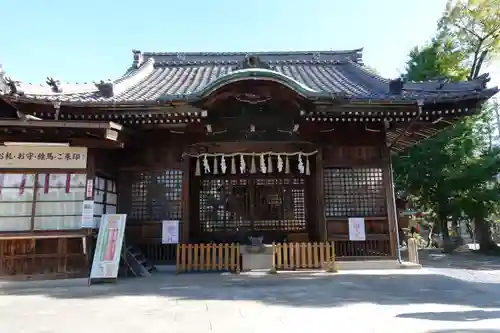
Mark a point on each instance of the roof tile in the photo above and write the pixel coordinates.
(180, 75)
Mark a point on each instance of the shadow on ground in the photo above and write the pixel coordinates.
(467, 316)
(435, 258)
(469, 330)
(295, 289)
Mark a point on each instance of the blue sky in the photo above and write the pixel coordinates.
(82, 41)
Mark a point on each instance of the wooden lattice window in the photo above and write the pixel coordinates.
(355, 192)
(105, 198)
(262, 204)
(156, 195)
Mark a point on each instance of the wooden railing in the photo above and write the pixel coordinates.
(159, 254)
(208, 257)
(293, 256)
(361, 250)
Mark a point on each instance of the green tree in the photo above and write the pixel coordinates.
(436, 60)
(452, 172)
(474, 27)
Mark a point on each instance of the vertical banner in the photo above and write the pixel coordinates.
(108, 248)
(170, 232)
(89, 189)
(357, 229)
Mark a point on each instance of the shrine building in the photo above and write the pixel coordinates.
(283, 145)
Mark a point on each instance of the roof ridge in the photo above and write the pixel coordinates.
(224, 53)
(230, 62)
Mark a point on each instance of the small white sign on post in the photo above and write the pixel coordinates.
(88, 214)
(357, 229)
(170, 232)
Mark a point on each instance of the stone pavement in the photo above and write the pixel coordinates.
(438, 299)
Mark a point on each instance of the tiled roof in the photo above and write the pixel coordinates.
(180, 76)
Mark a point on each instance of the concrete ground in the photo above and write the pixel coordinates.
(457, 293)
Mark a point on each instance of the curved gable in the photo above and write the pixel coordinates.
(256, 74)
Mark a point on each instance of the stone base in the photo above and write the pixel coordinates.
(374, 265)
(256, 260)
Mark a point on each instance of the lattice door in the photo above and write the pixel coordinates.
(254, 203)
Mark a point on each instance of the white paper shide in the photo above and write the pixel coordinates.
(357, 229)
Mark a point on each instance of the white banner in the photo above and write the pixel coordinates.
(43, 157)
(170, 232)
(357, 229)
(109, 246)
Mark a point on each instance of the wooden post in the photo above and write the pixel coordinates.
(320, 198)
(390, 200)
(186, 185)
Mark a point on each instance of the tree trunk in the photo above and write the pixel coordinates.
(483, 235)
(443, 221)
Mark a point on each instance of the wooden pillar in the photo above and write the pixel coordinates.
(320, 198)
(90, 181)
(390, 200)
(186, 185)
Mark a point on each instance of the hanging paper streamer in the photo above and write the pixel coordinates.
(242, 164)
(300, 164)
(206, 166)
(223, 166)
(216, 167)
(197, 171)
(252, 165)
(280, 164)
(263, 167)
(265, 162)
(233, 165)
(269, 164)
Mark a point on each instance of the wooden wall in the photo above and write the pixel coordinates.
(348, 146)
(365, 153)
(42, 258)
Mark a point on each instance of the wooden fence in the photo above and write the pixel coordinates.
(293, 256)
(208, 258)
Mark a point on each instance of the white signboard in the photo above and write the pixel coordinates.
(43, 157)
(170, 232)
(357, 229)
(109, 246)
(88, 214)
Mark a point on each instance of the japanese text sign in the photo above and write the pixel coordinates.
(43, 157)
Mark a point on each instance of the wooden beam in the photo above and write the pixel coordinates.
(96, 143)
(62, 124)
(45, 234)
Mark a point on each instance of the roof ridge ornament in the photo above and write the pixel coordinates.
(13, 86)
(252, 61)
(138, 58)
(54, 85)
(105, 88)
(396, 86)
